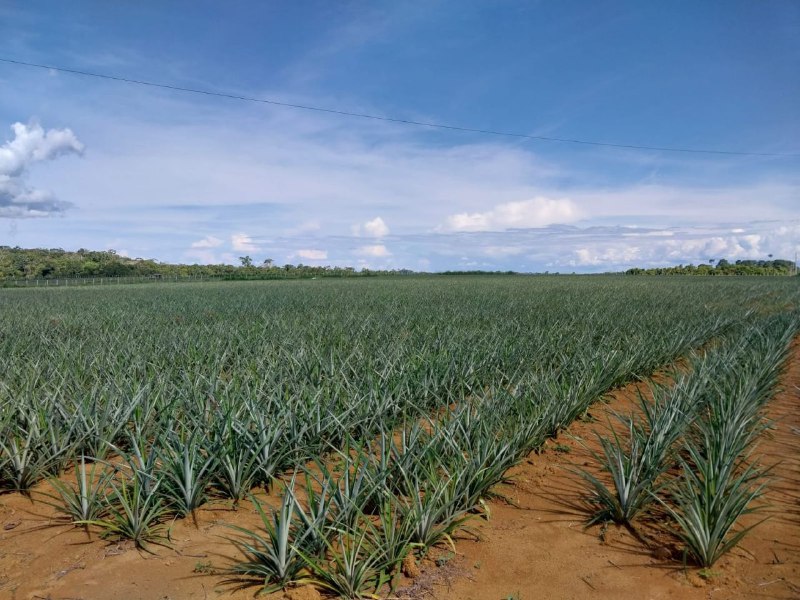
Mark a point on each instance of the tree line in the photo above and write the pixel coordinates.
(724, 267)
(55, 263)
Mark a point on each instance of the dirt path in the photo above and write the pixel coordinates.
(537, 548)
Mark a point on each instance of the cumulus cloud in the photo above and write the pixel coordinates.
(311, 254)
(524, 214)
(242, 242)
(208, 242)
(376, 228)
(376, 251)
(31, 144)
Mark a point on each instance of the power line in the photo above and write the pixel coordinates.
(345, 113)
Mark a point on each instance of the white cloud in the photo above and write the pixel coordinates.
(377, 251)
(694, 245)
(605, 256)
(311, 254)
(242, 242)
(376, 228)
(208, 242)
(524, 214)
(715, 247)
(31, 144)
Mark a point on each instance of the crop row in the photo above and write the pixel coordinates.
(688, 451)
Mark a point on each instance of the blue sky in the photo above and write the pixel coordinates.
(182, 177)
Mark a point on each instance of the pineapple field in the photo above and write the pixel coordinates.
(356, 438)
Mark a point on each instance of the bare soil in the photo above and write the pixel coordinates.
(533, 545)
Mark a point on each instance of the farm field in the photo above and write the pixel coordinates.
(373, 423)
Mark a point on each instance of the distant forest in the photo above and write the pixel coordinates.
(55, 263)
(724, 267)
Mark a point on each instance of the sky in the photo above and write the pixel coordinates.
(181, 177)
